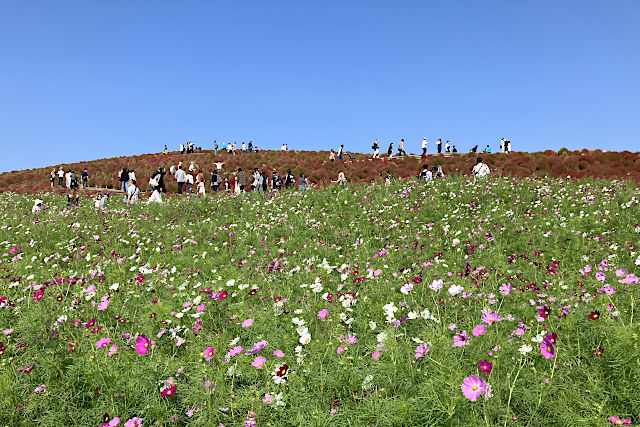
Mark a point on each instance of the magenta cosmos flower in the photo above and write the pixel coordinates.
(479, 330)
(142, 344)
(103, 342)
(322, 314)
(473, 387)
(209, 353)
(134, 422)
(485, 367)
(234, 351)
(547, 349)
(169, 391)
(258, 362)
(461, 339)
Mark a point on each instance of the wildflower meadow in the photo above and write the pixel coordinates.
(511, 301)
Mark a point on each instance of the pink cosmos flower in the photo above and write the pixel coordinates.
(421, 350)
(491, 318)
(479, 330)
(461, 339)
(376, 355)
(142, 344)
(201, 307)
(235, 350)
(278, 353)
(258, 362)
(40, 389)
(134, 422)
(618, 421)
(340, 350)
(547, 349)
(112, 350)
(246, 323)
(114, 422)
(209, 353)
(473, 387)
(322, 314)
(268, 399)
(103, 342)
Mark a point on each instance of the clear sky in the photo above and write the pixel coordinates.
(81, 80)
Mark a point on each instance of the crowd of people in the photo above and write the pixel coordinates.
(505, 147)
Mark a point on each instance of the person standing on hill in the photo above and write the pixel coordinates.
(67, 178)
(401, 151)
(424, 146)
(276, 181)
(244, 148)
(250, 147)
(159, 178)
(439, 145)
(340, 152)
(503, 145)
(166, 150)
(53, 178)
(60, 176)
(85, 178)
(215, 147)
(180, 178)
(376, 149)
(447, 147)
(214, 181)
(73, 180)
(508, 142)
(124, 179)
(256, 185)
(390, 150)
(181, 148)
(332, 156)
(242, 179)
(265, 182)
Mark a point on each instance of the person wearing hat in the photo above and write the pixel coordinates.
(424, 146)
(37, 206)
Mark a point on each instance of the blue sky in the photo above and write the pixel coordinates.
(85, 80)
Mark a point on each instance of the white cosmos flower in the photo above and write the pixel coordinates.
(524, 349)
(455, 290)
(305, 338)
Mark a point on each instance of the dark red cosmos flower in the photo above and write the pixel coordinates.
(169, 391)
(485, 367)
(544, 312)
(223, 295)
(253, 291)
(2, 348)
(594, 315)
(276, 299)
(26, 368)
(553, 338)
(598, 351)
(105, 417)
(282, 370)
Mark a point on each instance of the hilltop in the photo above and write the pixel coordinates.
(103, 173)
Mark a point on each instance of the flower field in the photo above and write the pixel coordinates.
(512, 301)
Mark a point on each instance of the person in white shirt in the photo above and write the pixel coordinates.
(67, 177)
(426, 174)
(132, 193)
(156, 197)
(180, 178)
(244, 148)
(181, 148)
(447, 147)
(60, 176)
(480, 170)
(503, 145)
(172, 170)
(37, 206)
(283, 147)
(192, 167)
(219, 166)
(508, 145)
(424, 146)
(189, 183)
(132, 175)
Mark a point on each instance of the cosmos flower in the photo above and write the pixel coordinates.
(322, 314)
(619, 421)
(548, 350)
(461, 339)
(112, 350)
(479, 330)
(209, 353)
(142, 344)
(473, 387)
(103, 342)
(595, 315)
(258, 362)
(485, 367)
(169, 391)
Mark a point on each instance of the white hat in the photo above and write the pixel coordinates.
(37, 202)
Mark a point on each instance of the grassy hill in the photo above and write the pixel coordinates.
(316, 166)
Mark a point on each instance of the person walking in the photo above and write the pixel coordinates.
(401, 151)
(302, 183)
(53, 178)
(67, 178)
(508, 143)
(180, 178)
(390, 150)
(289, 180)
(166, 150)
(124, 179)
(242, 179)
(256, 185)
(244, 148)
(215, 181)
(250, 147)
(160, 180)
(132, 175)
(424, 146)
(276, 181)
(439, 145)
(332, 156)
(181, 148)
(376, 149)
(85, 178)
(340, 152)
(265, 182)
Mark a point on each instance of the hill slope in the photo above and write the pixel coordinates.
(315, 164)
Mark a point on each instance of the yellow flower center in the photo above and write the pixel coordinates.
(549, 349)
(146, 344)
(475, 387)
(169, 392)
